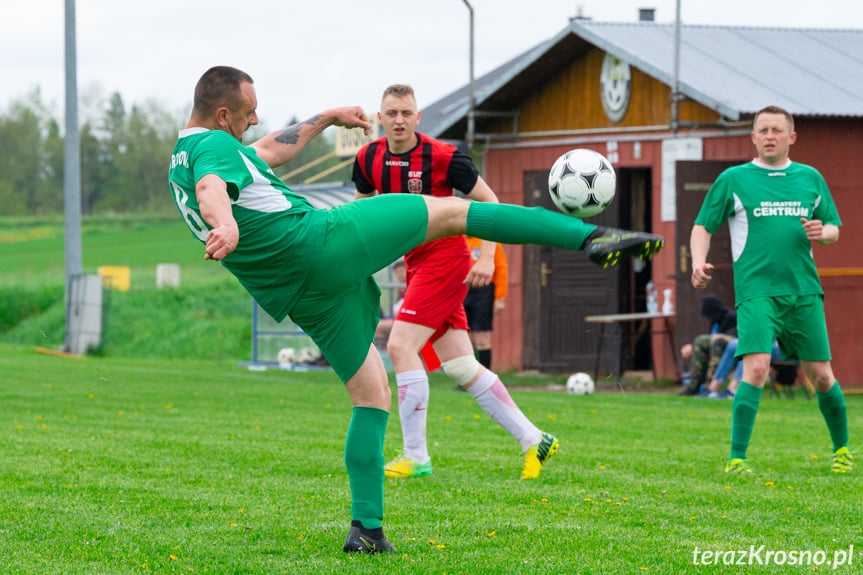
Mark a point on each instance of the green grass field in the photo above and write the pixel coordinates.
(161, 455)
(32, 251)
(164, 466)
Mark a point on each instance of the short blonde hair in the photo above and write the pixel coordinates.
(399, 91)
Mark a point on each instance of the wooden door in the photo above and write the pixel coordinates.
(561, 287)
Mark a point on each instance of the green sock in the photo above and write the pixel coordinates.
(509, 224)
(364, 458)
(743, 412)
(832, 406)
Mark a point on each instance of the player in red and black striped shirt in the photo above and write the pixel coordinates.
(439, 275)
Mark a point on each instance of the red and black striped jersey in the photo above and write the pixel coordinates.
(431, 167)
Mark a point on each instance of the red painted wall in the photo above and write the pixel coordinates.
(831, 145)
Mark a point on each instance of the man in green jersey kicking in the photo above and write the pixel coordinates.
(317, 265)
(776, 208)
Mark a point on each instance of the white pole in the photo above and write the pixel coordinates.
(71, 168)
(471, 100)
(675, 89)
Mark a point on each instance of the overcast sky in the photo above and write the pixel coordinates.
(308, 55)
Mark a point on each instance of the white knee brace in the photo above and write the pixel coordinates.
(461, 369)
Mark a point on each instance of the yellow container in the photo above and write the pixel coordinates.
(115, 277)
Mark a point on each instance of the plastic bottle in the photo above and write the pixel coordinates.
(650, 290)
(667, 306)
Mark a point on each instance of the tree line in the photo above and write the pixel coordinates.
(125, 152)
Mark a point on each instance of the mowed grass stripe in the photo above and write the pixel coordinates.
(138, 466)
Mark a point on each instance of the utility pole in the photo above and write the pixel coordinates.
(471, 136)
(675, 88)
(71, 168)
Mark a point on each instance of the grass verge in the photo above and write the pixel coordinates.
(143, 466)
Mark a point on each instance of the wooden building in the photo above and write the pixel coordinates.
(611, 87)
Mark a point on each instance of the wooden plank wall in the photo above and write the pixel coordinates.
(571, 101)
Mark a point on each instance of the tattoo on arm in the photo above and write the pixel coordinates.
(291, 134)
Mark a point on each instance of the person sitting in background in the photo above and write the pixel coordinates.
(707, 349)
(728, 363)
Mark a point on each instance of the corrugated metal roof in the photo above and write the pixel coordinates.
(739, 70)
(733, 70)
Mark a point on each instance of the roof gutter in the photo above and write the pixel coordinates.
(517, 136)
(580, 137)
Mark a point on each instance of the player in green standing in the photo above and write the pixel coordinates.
(776, 208)
(317, 265)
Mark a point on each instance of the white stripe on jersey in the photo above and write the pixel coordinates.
(739, 228)
(261, 195)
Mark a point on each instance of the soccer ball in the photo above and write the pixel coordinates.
(581, 183)
(287, 357)
(580, 384)
(309, 355)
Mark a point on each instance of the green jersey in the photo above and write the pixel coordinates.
(280, 232)
(771, 254)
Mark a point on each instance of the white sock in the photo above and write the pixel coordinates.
(492, 396)
(413, 387)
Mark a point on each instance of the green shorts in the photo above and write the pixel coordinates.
(340, 306)
(797, 322)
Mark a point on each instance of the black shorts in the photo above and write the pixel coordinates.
(479, 307)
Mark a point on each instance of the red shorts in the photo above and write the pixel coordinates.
(434, 295)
